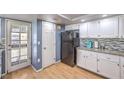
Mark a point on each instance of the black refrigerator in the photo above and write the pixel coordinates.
(69, 42)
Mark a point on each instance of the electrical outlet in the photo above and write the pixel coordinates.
(38, 42)
(38, 60)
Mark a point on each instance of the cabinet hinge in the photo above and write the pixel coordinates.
(97, 60)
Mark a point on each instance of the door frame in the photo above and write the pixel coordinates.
(54, 26)
(6, 43)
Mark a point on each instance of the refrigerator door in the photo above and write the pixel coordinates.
(68, 48)
(68, 54)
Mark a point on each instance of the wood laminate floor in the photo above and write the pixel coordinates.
(56, 71)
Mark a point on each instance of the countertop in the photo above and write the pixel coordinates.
(119, 53)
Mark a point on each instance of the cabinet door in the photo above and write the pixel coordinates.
(72, 27)
(91, 63)
(80, 59)
(121, 26)
(83, 30)
(68, 27)
(109, 69)
(0, 65)
(75, 26)
(93, 29)
(122, 67)
(109, 27)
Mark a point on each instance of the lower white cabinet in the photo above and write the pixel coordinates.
(109, 65)
(91, 62)
(122, 67)
(103, 64)
(87, 60)
(108, 68)
(0, 67)
(81, 59)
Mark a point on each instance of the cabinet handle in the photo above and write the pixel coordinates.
(97, 60)
(98, 70)
(108, 58)
(118, 64)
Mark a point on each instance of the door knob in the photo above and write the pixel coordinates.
(44, 48)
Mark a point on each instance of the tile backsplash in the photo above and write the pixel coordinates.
(109, 43)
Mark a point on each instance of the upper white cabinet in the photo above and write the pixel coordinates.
(72, 27)
(93, 29)
(121, 26)
(104, 28)
(83, 30)
(109, 28)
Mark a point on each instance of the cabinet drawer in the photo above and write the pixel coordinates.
(88, 53)
(82, 51)
(109, 57)
(93, 54)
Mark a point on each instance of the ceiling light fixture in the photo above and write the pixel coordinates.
(63, 16)
(82, 20)
(104, 15)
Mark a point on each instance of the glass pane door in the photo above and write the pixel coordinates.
(18, 44)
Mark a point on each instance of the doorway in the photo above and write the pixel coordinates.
(18, 44)
(48, 43)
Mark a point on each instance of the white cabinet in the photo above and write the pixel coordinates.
(87, 60)
(109, 28)
(122, 67)
(83, 30)
(91, 61)
(68, 27)
(108, 66)
(75, 26)
(81, 58)
(0, 65)
(72, 27)
(93, 29)
(105, 28)
(121, 26)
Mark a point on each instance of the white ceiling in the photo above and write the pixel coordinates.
(56, 18)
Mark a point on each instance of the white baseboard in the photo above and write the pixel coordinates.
(35, 69)
(3, 74)
(42, 67)
(58, 61)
